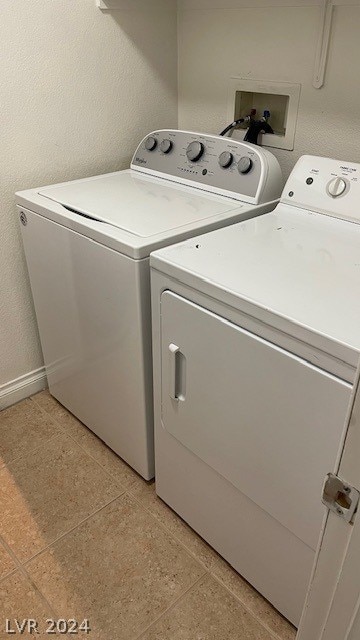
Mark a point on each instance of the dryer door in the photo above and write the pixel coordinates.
(266, 420)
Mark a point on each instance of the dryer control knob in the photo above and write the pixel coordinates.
(150, 143)
(244, 165)
(195, 151)
(225, 159)
(166, 146)
(336, 187)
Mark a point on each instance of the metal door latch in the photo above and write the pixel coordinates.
(340, 497)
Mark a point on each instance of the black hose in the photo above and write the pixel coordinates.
(256, 126)
(232, 126)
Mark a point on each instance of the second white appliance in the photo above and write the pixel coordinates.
(256, 342)
(87, 246)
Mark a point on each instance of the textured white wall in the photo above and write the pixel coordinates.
(268, 42)
(79, 88)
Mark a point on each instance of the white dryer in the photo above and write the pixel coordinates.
(87, 246)
(256, 339)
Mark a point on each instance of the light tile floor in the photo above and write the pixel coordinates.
(83, 536)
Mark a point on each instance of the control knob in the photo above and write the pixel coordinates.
(166, 146)
(244, 165)
(336, 187)
(225, 159)
(150, 143)
(195, 151)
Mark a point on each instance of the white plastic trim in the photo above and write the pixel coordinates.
(327, 11)
(323, 43)
(22, 387)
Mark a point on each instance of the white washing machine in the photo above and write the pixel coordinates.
(256, 339)
(87, 246)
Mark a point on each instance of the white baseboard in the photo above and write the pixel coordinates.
(23, 387)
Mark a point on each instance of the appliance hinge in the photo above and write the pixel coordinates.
(340, 497)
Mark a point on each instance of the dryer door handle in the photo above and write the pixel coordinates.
(177, 373)
(173, 352)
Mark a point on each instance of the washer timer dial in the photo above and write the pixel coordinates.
(336, 187)
(195, 151)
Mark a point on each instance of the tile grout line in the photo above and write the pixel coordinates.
(122, 490)
(259, 620)
(127, 490)
(21, 569)
(68, 435)
(22, 566)
(63, 535)
(207, 569)
(46, 440)
(173, 604)
(8, 575)
(168, 531)
(183, 595)
(7, 465)
(12, 556)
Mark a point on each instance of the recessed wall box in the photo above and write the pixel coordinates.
(280, 98)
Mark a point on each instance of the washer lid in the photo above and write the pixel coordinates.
(137, 204)
(290, 268)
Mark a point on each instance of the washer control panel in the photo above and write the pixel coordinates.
(229, 167)
(325, 185)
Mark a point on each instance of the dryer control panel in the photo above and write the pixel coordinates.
(326, 186)
(229, 167)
